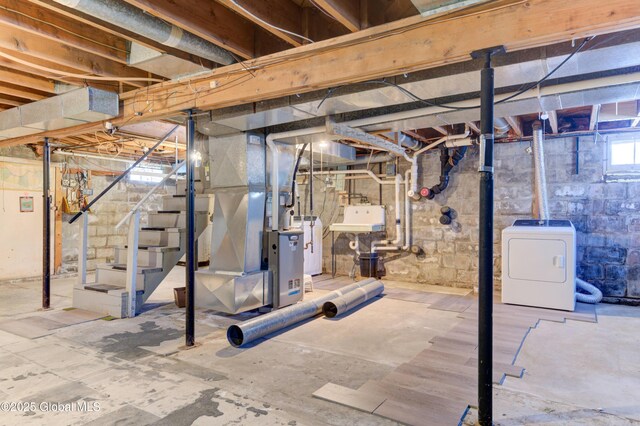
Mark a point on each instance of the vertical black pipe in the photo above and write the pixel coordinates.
(380, 185)
(577, 155)
(485, 256)
(46, 226)
(190, 238)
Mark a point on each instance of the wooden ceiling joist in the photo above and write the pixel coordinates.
(374, 53)
(208, 20)
(269, 14)
(39, 48)
(26, 80)
(28, 17)
(20, 92)
(347, 12)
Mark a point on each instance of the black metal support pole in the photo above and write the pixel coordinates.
(46, 226)
(485, 256)
(190, 325)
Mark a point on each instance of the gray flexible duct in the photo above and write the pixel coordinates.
(594, 296)
(126, 16)
(248, 331)
(347, 302)
(539, 171)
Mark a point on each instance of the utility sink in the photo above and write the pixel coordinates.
(361, 219)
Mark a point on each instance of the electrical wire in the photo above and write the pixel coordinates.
(78, 76)
(269, 24)
(416, 98)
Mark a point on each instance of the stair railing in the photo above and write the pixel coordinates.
(84, 225)
(133, 217)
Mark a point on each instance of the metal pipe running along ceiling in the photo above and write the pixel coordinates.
(126, 16)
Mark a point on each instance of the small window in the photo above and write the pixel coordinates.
(624, 158)
(146, 174)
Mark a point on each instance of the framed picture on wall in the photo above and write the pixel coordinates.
(26, 204)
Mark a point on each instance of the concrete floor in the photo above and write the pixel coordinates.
(136, 372)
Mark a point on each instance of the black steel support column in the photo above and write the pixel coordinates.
(485, 257)
(46, 226)
(190, 249)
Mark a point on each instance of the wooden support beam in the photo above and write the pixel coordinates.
(19, 41)
(209, 20)
(26, 80)
(473, 126)
(6, 100)
(283, 14)
(441, 130)
(514, 122)
(347, 12)
(114, 30)
(20, 92)
(553, 121)
(595, 112)
(59, 28)
(374, 53)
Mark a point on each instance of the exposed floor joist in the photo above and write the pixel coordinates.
(378, 52)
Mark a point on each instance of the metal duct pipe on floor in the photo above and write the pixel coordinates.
(540, 180)
(352, 299)
(248, 331)
(126, 16)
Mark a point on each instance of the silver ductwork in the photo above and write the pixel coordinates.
(126, 16)
(234, 281)
(501, 126)
(346, 302)
(293, 108)
(540, 179)
(251, 330)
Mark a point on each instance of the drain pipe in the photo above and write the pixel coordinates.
(248, 331)
(124, 15)
(386, 245)
(540, 179)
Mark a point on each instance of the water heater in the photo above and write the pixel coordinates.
(539, 264)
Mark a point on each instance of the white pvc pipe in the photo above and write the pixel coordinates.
(395, 244)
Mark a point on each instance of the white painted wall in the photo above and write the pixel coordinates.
(21, 232)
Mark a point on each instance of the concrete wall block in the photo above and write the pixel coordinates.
(633, 257)
(612, 288)
(445, 247)
(606, 255)
(616, 207)
(589, 272)
(605, 224)
(568, 190)
(615, 273)
(98, 241)
(116, 240)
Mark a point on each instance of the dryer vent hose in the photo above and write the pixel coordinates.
(594, 296)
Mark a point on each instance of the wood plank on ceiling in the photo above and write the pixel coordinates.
(206, 19)
(25, 80)
(53, 26)
(20, 41)
(377, 52)
(21, 92)
(347, 12)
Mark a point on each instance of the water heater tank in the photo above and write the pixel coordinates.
(539, 264)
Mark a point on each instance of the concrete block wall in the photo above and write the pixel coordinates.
(104, 216)
(606, 216)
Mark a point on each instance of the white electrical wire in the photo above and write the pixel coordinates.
(268, 24)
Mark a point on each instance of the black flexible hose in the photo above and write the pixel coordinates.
(295, 172)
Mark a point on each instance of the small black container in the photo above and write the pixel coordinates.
(369, 265)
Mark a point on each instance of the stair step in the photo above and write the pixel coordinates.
(102, 288)
(175, 219)
(157, 228)
(160, 249)
(141, 268)
(203, 203)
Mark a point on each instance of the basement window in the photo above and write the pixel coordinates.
(146, 174)
(623, 159)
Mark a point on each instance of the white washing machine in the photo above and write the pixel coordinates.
(539, 264)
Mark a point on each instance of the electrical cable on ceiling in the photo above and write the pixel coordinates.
(78, 76)
(416, 98)
(268, 24)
